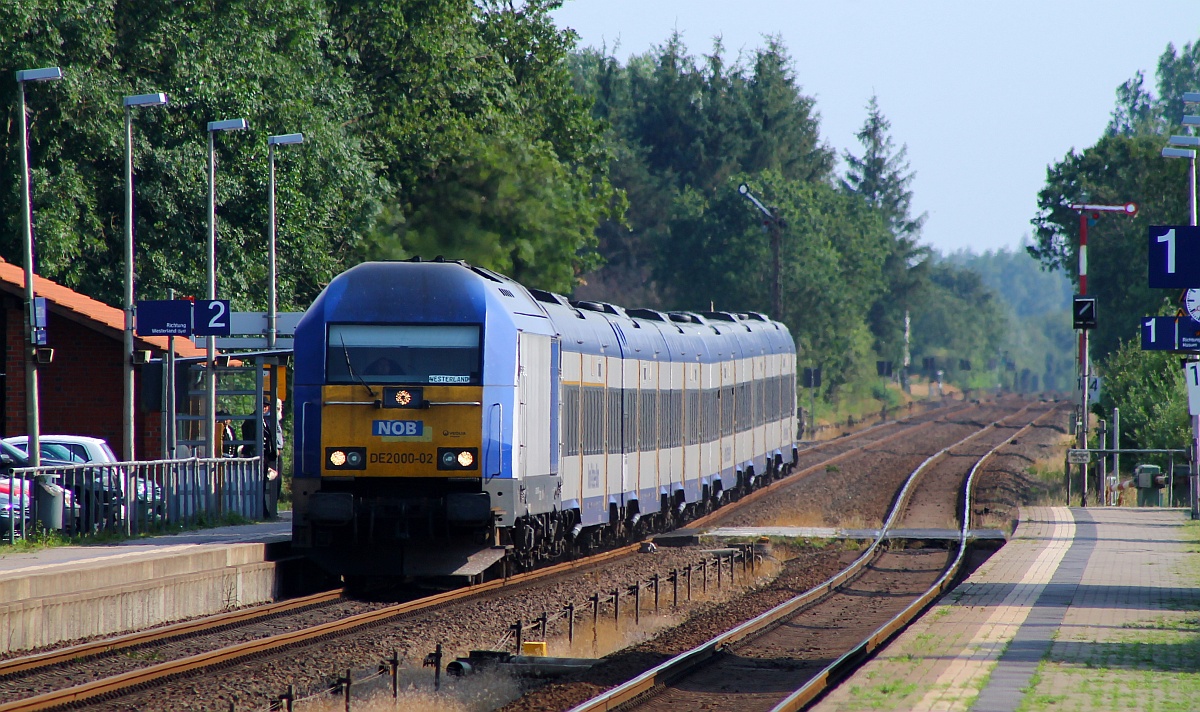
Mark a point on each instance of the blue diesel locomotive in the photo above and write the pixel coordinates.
(450, 422)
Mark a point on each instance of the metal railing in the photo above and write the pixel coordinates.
(129, 498)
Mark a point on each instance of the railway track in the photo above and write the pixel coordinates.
(70, 664)
(760, 664)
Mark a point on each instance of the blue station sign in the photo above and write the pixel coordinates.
(1174, 257)
(1170, 333)
(164, 317)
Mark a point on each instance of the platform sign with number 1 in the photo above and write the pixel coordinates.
(211, 317)
(1192, 376)
(1174, 257)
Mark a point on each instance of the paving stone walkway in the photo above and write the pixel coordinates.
(1084, 609)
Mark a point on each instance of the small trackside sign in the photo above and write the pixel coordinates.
(1079, 457)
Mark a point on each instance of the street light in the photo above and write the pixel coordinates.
(272, 313)
(130, 102)
(210, 429)
(772, 224)
(32, 415)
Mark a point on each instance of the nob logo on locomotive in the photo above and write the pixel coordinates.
(398, 428)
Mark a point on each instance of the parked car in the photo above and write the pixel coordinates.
(87, 449)
(14, 515)
(11, 487)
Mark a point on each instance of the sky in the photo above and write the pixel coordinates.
(985, 94)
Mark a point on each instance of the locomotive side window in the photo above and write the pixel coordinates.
(403, 354)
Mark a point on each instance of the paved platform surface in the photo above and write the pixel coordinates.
(261, 532)
(1084, 609)
(68, 593)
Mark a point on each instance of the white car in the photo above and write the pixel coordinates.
(80, 447)
(86, 449)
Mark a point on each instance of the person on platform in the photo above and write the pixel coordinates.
(272, 445)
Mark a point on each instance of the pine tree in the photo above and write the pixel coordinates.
(882, 178)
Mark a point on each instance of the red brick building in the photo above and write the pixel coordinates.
(80, 392)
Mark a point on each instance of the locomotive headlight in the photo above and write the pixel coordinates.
(458, 458)
(345, 458)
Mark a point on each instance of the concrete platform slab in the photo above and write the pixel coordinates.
(1084, 609)
(67, 593)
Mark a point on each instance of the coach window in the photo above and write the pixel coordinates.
(614, 421)
(570, 421)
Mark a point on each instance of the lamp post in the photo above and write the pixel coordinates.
(159, 99)
(1190, 154)
(32, 415)
(210, 419)
(772, 224)
(272, 312)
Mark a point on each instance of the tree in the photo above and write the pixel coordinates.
(263, 61)
(493, 156)
(682, 125)
(882, 178)
(832, 249)
(1148, 387)
(1118, 169)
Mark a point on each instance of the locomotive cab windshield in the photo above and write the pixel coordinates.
(403, 354)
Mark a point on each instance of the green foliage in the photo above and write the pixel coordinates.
(1118, 169)
(882, 178)
(396, 100)
(510, 206)
(958, 317)
(682, 127)
(262, 61)
(1148, 387)
(832, 248)
(1037, 308)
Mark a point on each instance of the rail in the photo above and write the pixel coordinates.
(129, 498)
(170, 669)
(676, 667)
(848, 661)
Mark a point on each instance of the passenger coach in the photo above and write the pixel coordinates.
(448, 420)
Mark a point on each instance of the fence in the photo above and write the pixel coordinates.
(609, 607)
(128, 497)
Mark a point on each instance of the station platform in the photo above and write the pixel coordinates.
(1083, 609)
(66, 593)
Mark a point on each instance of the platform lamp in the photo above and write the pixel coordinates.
(159, 99)
(210, 410)
(272, 311)
(32, 414)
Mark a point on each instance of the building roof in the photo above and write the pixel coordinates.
(83, 309)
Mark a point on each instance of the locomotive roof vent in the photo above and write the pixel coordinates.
(549, 297)
(684, 317)
(602, 307)
(719, 316)
(487, 274)
(648, 314)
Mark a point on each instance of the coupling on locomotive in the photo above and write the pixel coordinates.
(451, 423)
